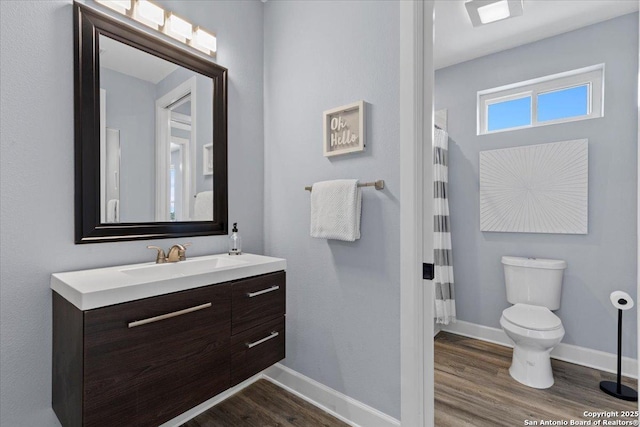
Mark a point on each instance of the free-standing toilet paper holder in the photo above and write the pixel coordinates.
(622, 301)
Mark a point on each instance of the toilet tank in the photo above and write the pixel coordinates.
(534, 281)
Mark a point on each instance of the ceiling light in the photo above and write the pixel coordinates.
(121, 6)
(487, 11)
(494, 12)
(203, 40)
(178, 28)
(149, 14)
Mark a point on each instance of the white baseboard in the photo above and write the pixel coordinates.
(193, 412)
(436, 328)
(569, 353)
(343, 407)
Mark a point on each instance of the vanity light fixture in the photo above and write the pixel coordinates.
(204, 41)
(484, 12)
(148, 14)
(178, 28)
(166, 22)
(120, 6)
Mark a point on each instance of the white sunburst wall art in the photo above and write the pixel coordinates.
(535, 189)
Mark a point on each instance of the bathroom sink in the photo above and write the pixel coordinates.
(189, 267)
(101, 287)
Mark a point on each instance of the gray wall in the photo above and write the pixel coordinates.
(37, 187)
(599, 262)
(131, 110)
(343, 299)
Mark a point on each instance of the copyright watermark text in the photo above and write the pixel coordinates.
(592, 418)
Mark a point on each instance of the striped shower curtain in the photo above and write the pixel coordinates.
(445, 309)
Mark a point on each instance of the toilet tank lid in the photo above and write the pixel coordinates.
(550, 264)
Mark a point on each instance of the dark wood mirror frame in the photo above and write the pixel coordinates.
(88, 25)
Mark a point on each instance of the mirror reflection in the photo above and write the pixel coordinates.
(156, 131)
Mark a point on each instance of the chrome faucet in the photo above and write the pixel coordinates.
(176, 253)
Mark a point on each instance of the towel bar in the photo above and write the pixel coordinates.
(379, 185)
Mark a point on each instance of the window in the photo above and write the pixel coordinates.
(560, 98)
(563, 103)
(509, 114)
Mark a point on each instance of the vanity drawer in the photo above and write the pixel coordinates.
(135, 353)
(256, 349)
(257, 300)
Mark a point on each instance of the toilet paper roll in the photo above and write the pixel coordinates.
(621, 300)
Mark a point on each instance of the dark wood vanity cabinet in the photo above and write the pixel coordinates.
(257, 325)
(144, 362)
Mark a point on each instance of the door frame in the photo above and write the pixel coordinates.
(416, 247)
(638, 213)
(163, 156)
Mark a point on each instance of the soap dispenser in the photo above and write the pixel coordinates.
(235, 241)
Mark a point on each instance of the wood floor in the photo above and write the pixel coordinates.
(264, 404)
(473, 388)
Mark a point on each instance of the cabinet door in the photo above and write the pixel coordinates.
(257, 300)
(150, 360)
(257, 349)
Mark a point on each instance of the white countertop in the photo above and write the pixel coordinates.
(100, 287)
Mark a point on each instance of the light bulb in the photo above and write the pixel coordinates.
(149, 14)
(203, 39)
(179, 28)
(120, 6)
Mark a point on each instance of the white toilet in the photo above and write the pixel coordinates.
(534, 286)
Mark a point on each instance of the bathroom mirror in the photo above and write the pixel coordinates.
(151, 141)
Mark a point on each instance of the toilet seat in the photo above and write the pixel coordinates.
(532, 317)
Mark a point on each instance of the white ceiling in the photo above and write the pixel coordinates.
(133, 62)
(456, 40)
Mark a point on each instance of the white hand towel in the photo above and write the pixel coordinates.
(335, 210)
(203, 206)
(113, 210)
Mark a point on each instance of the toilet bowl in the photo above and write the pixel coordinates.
(535, 331)
(534, 288)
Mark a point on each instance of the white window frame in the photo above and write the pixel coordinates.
(592, 76)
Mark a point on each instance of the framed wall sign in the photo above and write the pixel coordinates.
(344, 130)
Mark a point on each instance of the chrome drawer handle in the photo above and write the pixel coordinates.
(169, 315)
(255, 343)
(264, 291)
